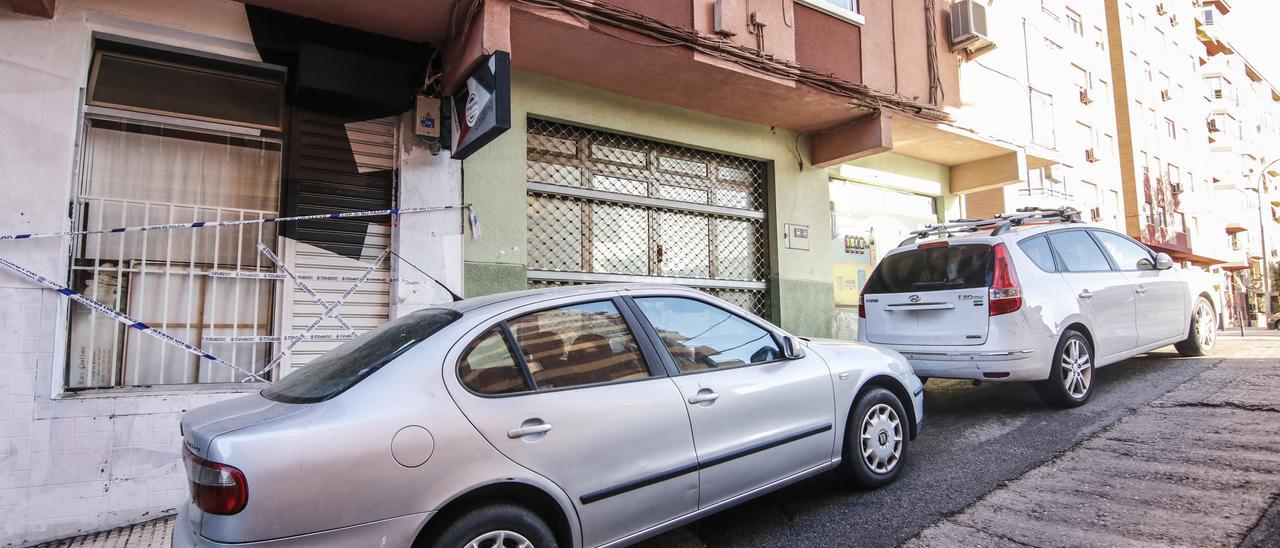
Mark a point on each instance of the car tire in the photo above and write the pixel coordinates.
(1203, 332)
(1070, 382)
(496, 525)
(1276, 325)
(876, 440)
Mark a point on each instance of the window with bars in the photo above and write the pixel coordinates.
(604, 207)
(160, 147)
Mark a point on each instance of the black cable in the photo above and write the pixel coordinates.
(452, 295)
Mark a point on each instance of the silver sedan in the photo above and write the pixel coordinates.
(582, 416)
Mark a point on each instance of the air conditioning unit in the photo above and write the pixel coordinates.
(1160, 9)
(1213, 125)
(1090, 156)
(1176, 188)
(1096, 213)
(969, 28)
(1165, 95)
(1084, 96)
(1173, 20)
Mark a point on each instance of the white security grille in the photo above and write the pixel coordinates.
(604, 207)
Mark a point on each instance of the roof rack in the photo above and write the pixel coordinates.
(1002, 222)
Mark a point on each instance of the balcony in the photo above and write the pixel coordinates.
(1166, 239)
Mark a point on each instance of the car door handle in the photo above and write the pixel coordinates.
(530, 430)
(1086, 294)
(1140, 290)
(706, 395)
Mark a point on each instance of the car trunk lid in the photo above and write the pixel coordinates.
(935, 294)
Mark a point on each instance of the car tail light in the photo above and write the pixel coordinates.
(862, 302)
(1005, 295)
(216, 488)
(939, 243)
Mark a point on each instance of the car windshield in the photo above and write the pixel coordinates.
(346, 365)
(933, 269)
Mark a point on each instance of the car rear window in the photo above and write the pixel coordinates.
(347, 365)
(964, 266)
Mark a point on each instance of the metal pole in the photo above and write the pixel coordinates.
(1262, 233)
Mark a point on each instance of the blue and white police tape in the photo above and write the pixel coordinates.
(242, 275)
(305, 287)
(126, 319)
(472, 218)
(277, 338)
(328, 311)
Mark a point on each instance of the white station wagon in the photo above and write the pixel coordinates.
(581, 416)
(1033, 296)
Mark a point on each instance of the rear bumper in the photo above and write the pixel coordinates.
(388, 532)
(986, 365)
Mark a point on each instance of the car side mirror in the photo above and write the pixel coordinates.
(791, 348)
(1163, 261)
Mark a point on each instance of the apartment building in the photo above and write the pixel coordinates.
(1166, 188)
(644, 141)
(1244, 150)
(1049, 85)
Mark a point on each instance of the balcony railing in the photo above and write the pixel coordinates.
(1166, 238)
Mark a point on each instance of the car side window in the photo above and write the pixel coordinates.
(1125, 253)
(1037, 249)
(700, 336)
(489, 367)
(588, 343)
(1078, 251)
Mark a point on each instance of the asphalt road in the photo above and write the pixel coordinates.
(975, 438)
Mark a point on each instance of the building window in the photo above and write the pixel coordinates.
(844, 9)
(1208, 16)
(1108, 144)
(1101, 41)
(1171, 129)
(1075, 22)
(151, 157)
(1042, 123)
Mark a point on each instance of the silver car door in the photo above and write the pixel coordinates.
(568, 392)
(1105, 296)
(756, 417)
(1160, 295)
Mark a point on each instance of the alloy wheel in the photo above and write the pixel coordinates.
(881, 438)
(1077, 369)
(500, 539)
(1206, 325)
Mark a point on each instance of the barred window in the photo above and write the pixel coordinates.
(604, 207)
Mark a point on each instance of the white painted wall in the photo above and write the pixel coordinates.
(431, 241)
(70, 464)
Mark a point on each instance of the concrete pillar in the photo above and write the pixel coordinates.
(430, 241)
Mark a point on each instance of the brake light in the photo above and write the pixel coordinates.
(862, 302)
(939, 243)
(216, 488)
(1005, 295)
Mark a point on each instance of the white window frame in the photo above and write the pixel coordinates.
(852, 16)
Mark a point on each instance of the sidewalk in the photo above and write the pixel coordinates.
(1198, 467)
(148, 534)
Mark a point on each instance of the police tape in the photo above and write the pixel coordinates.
(471, 217)
(278, 338)
(125, 319)
(241, 275)
(303, 285)
(328, 311)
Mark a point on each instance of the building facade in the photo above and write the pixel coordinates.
(1244, 146)
(648, 141)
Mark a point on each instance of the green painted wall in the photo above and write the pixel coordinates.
(494, 182)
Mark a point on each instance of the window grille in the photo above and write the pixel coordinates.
(604, 207)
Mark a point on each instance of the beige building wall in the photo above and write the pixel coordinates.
(1155, 65)
(1047, 87)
